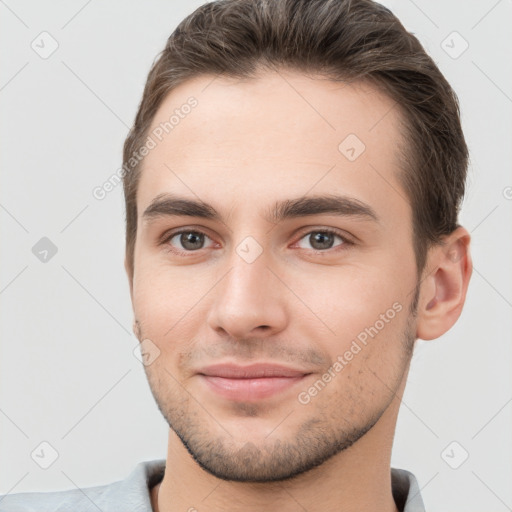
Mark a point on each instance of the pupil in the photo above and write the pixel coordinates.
(321, 237)
(188, 239)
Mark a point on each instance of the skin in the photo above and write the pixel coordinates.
(246, 145)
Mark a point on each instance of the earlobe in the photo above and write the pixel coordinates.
(443, 289)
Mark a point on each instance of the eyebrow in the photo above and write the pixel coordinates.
(170, 205)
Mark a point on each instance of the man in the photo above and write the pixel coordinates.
(292, 183)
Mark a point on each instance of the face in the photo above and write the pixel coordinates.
(277, 323)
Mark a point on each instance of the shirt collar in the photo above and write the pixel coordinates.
(405, 488)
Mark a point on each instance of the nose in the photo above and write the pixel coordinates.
(249, 302)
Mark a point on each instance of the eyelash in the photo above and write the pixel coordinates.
(169, 236)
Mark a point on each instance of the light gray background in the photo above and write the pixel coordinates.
(68, 374)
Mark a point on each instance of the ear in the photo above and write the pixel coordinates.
(135, 327)
(130, 277)
(444, 285)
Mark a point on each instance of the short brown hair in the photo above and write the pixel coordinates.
(344, 40)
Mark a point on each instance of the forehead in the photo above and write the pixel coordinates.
(231, 142)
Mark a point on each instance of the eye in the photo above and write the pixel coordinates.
(188, 241)
(323, 239)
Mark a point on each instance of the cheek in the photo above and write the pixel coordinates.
(346, 300)
(165, 300)
(367, 359)
(366, 317)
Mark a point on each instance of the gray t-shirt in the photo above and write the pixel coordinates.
(133, 494)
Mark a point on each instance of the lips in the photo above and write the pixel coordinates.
(250, 383)
(253, 371)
